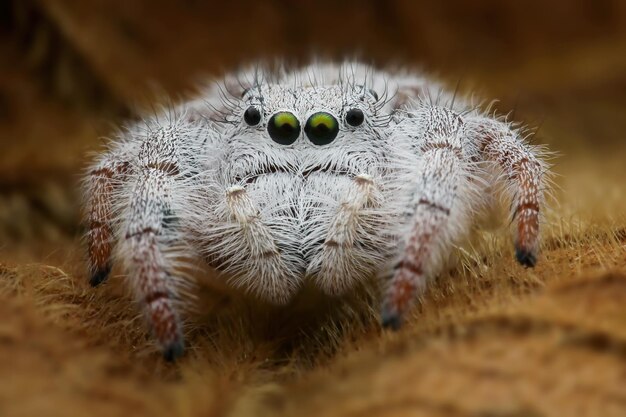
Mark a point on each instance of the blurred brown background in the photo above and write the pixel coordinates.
(72, 70)
(491, 339)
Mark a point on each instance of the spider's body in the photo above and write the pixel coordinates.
(306, 176)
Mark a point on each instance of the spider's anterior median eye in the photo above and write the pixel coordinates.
(252, 116)
(321, 128)
(284, 128)
(355, 117)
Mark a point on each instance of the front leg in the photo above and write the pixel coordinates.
(439, 210)
(145, 249)
(153, 207)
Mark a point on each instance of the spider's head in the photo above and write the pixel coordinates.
(308, 126)
(317, 114)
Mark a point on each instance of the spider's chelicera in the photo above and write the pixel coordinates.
(331, 174)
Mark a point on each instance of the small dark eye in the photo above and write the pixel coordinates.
(355, 117)
(252, 116)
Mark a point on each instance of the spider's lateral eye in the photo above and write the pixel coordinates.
(355, 117)
(321, 128)
(252, 116)
(284, 128)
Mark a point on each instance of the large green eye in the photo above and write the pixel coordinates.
(321, 128)
(284, 128)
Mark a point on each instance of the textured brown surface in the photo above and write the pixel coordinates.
(490, 339)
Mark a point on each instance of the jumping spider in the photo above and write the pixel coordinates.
(332, 173)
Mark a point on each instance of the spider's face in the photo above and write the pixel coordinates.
(299, 129)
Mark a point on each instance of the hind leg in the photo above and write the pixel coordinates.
(102, 183)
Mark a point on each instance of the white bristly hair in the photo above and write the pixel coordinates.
(329, 174)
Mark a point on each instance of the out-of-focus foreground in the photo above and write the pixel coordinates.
(490, 338)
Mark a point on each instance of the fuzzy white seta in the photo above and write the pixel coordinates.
(398, 173)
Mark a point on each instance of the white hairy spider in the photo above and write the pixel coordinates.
(333, 174)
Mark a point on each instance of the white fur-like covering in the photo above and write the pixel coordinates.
(389, 198)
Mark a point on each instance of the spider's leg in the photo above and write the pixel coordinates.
(149, 268)
(438, 212)
(160, 194)
(101, 183)
(523, 172)
(340, 258)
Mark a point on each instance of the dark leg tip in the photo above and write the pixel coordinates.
(99, 276)
(173, 351)
(526, 258)
(391, 321)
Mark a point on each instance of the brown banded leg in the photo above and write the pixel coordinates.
(526, 212)
(101, 184)
(155, 194)
(439, 211)
(147, 252)
(439, 220)
(523, 177)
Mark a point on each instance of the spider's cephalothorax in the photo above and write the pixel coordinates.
(331, 174)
